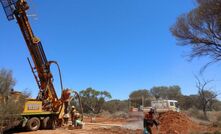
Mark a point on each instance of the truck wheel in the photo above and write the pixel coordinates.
(51, 123)
(45, 123)
(33, 124)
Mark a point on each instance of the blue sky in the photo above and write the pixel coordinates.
(113, 45)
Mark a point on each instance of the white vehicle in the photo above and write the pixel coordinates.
(163, 106)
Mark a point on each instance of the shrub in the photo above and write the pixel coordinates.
(11, 103)
(195, 113)
(10, 110)
(217, 132)
(219, 117)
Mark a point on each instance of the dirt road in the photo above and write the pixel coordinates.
(88, 129)
(171, 123)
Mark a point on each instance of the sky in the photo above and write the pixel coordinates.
(114, 45)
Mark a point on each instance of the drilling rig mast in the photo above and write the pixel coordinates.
(47, 101)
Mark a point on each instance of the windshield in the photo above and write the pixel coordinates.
(176, 104)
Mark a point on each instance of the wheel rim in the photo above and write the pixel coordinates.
(34, 124)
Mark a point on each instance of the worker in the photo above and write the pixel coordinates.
(149, 121)
(75, 117)
(66, 117)
(73, 114)
(78, 121)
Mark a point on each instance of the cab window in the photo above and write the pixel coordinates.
(177, 105)
(171, 104)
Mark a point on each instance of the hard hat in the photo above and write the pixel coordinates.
(73, 107)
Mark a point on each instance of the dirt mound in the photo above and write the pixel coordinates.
(176, 123)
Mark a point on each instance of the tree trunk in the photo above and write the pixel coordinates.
(205, 114)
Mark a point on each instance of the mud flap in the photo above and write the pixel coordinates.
(24, 121)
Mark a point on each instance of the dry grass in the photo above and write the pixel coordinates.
(213, 116)
(214, 119)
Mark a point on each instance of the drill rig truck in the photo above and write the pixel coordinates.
(47, 109)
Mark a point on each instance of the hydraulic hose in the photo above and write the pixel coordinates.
(59, 71)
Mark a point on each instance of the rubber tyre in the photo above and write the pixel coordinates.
(33, 124)
(45, 123)
(51, 123)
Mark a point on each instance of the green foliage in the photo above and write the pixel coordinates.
(200, 28)
(163, 92)
(11, 103)
(138, 93)
(113, 106)
(140, 97)
(11, 109)
(187, 102)
(144, 96)
(6, 82)
(93, 100)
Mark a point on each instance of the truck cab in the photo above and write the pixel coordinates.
(165, 105)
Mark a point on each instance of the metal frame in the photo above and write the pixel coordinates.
(9, 8)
